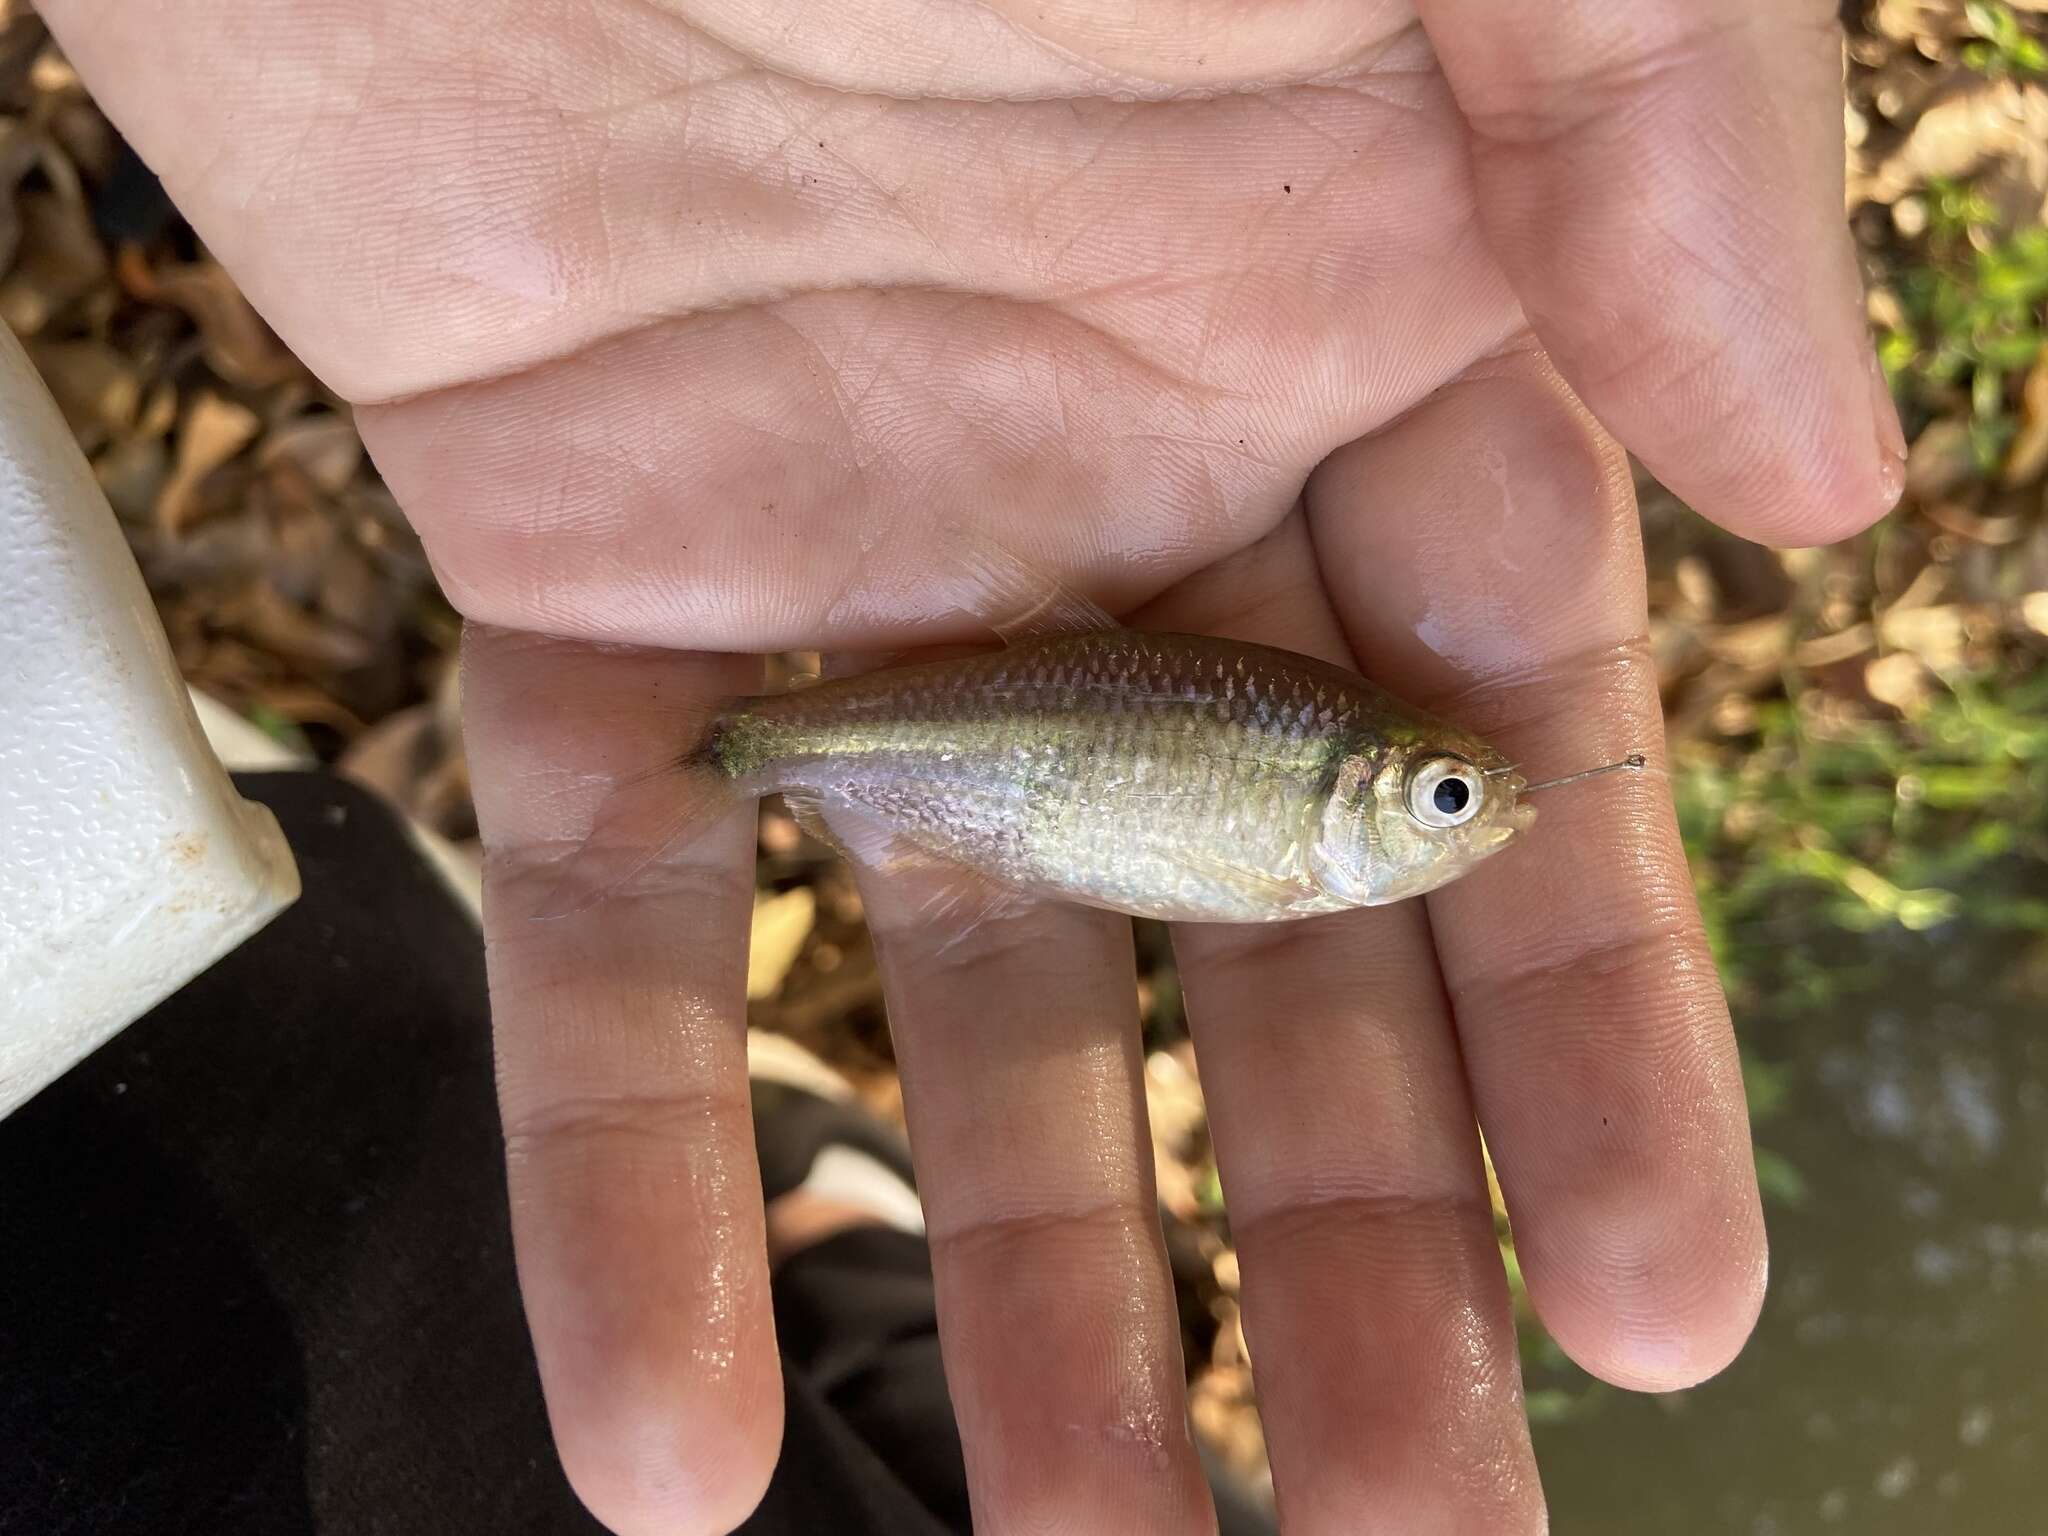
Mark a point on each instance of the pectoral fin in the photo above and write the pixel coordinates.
(1255, 887)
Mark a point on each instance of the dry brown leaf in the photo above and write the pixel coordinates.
(1174, 1183)
(1954, 518)
(1800, 565)
(1696, 586)
(782, 923)
(1940, 461)
(132, 474)
(1884, 309)
(1900, 680)
(1937, 635)
(52, 73)
(1759, 643)
(215, 430)
(1928, 584)
(1674, 649)
(60, 261)
(235, 673)
(22, 38)
(159, 412)
(1984, 122)
(446, 693)
(1827, 650)
(779, 834)
(1225, 1267)
(1223, 1408)
(18, 151)
(2028, 456)
(1173, 1099)
(96, 388)
(1733, 715)
(324, 448)
(239, 346)
(353, 591)
(1898, 91)
(261, 614)
(307, 705)
(87, 139)
(302, 537)
(1904, 20)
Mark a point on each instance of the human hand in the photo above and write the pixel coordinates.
(680, 325)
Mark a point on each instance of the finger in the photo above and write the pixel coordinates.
(1485, 554)
(1375, 1303)
(1017, 1040)
(1663, 181)
(636, 1205)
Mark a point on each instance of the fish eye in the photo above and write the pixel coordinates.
(1444, 792)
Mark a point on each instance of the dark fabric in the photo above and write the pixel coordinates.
(792, 1126)
(882, 1375)
(256, 1268)
(255, 1264)
(255, 1254)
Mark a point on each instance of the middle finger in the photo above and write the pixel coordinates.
(1375, 1302)
(1017, 1041)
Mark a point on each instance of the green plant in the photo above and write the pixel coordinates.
(1888, 823)
(1975, 317)
(2002, 46)
(279, 728)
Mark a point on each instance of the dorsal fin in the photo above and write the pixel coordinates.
(1013, 597)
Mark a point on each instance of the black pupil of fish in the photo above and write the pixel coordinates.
(1452, 796)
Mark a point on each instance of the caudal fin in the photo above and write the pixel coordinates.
(642, 818)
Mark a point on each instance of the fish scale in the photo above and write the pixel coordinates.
(1176, 776)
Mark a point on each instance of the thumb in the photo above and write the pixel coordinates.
(1662, 180)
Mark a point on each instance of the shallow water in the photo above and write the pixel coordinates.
(1898, 1380)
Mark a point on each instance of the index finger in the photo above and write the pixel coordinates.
(1484, 557)
(1662, 180)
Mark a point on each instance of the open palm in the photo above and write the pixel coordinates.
(681, 325)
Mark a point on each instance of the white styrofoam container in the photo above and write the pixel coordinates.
(128, 864)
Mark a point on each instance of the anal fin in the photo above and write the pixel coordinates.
(938, 899)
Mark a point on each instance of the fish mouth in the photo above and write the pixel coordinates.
(1520, 813)
(1511, 825)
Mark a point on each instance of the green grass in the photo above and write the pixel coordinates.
(1874, 824)
(1974, 319)
(2002, 45)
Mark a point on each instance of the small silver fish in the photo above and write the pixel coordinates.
(1179, 777)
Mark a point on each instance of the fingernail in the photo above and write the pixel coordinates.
(1891, 437)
